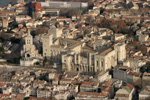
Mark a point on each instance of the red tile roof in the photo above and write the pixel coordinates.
(37, 7)
(2, 84)
(130, 87)
(36, 98)
(91, 94)
(7, 12)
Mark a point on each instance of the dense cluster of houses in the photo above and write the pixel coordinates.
(40, 83)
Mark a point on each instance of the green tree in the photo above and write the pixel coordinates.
(1, 49)
(9, 31)
(15, 40)
(1, 28)
(26, 98)
(2, 39)
(44, 61)
(13, 24)
(145, 68)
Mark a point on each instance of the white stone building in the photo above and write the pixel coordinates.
(29, 53)
(143, 37)
(76, 56)
(44, 93)
(103, 76)
(126, 92)
(20, 1)
(50, 50)
(121, 52)
(144, 93)
(20, 18)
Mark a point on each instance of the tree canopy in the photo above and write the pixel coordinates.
(118, 26)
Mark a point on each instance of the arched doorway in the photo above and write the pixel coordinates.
(28, 55)
(77, 69)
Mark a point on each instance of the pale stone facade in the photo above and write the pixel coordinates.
(126, 92)
(144, 93)
(50, 40)
(104, 76)
(76, 56)
(29, 53)
(121, 52)
(146, 79)
(143, 37)
(92, 61)
(133, 62)
(20, 1)
(118, 37)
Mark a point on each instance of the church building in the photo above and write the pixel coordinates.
(29, 53)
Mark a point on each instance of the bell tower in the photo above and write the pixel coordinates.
(29, 38)
(29, 49)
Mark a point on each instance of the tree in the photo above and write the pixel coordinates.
(26, 98)
(41, 30)
(44, 61)
(145, 68)
(90, 4)
(9, 31)
(1, 49)
(142, 48)
(118, 26)
(89, 19)
(15, 40)
(73, 13)
(63, 12)
(2, 39)
(37, 63)
(1, 28)
(13, 24)
(72, 98)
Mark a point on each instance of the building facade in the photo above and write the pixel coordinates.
(76, 56)
(20, 1)
(29, 53)
(63, 4)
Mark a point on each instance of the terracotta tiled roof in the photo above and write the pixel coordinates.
(37, 7)
(2, 84)
(92, 94)
(36, 98)
(7, 12)
(134, 74)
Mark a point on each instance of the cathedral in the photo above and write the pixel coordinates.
(29, 53)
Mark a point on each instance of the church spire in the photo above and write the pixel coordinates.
(28, 34)
(29, 38)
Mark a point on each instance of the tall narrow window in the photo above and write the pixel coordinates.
(102, 63)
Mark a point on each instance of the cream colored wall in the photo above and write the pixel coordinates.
(120, 51)
(47, 42)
